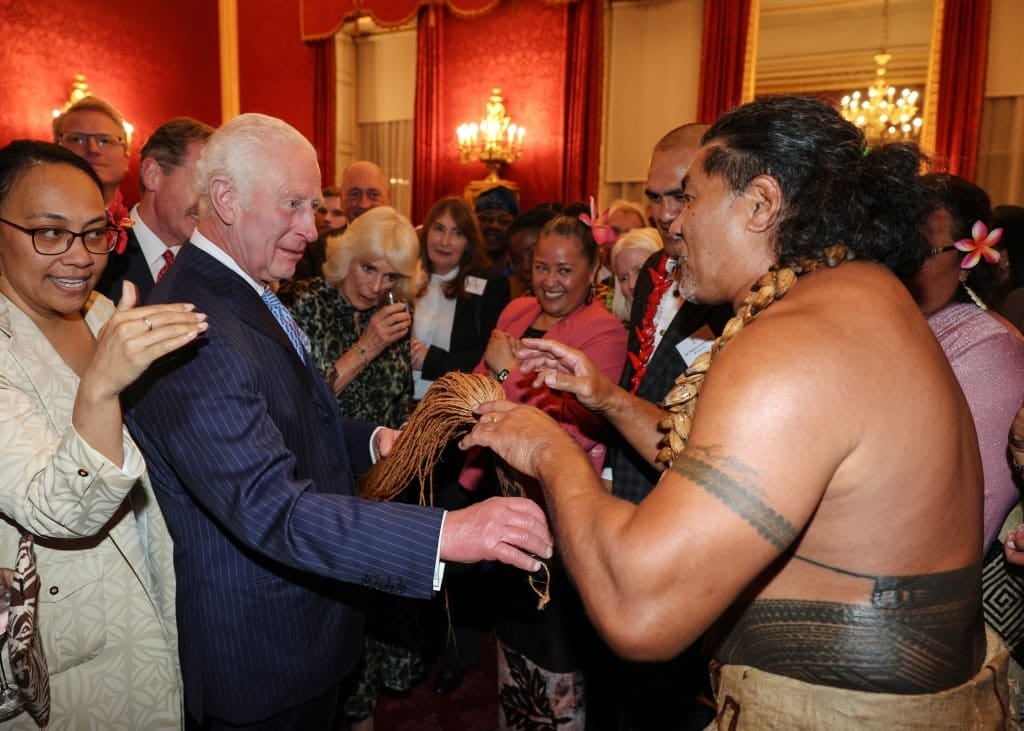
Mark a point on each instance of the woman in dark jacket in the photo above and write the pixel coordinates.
(459, 308)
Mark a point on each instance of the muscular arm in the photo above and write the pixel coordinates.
(725, 511)
(636, 419)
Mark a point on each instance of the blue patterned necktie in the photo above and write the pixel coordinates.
(287, 323)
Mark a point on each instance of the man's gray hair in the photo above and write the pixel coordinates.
(239, 150)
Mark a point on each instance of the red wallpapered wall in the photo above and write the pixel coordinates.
(520, 48)
(275, 66)
(151, 59)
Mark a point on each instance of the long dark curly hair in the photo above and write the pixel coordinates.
(835, 188)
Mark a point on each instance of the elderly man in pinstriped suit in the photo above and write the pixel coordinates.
(253, 465)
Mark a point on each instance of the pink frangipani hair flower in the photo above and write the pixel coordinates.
(981, 244)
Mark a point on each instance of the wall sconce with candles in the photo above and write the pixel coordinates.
(494, 141)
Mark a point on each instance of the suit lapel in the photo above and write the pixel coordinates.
(667, 364)
(244, 302)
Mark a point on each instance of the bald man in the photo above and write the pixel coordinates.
(363, 186)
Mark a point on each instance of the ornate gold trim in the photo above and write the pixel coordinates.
(227, 16)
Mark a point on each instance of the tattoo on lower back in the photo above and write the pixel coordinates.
(743, 499)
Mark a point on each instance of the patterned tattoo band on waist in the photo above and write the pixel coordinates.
(928, 640)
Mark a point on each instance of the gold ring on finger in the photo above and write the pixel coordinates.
(149, 325)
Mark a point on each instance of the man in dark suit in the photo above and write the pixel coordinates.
(253, 465)
(665, 334)
(661, 327)
(167, 211)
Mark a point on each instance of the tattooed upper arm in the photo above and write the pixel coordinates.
(738, 493)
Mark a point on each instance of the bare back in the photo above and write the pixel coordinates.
(834, 467)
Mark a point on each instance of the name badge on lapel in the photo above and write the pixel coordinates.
(692, 347)
(476, 285)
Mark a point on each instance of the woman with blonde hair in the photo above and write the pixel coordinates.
(628, 256)
(358, 340)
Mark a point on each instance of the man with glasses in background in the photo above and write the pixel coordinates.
(93, 128)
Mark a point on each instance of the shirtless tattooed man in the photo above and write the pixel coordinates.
(824, 518)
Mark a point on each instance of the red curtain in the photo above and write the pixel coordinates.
(428, 123)
(583, 100)
(723, 53)
(961, 84)
(520, 47)
(324, 108)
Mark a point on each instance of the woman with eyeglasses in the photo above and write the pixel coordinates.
(72, 477)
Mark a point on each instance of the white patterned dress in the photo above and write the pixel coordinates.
(103, 554)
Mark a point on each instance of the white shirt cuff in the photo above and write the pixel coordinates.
(438, 563)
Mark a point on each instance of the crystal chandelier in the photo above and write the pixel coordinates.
(494, 141)
(883, 114)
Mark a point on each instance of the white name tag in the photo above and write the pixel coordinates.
(690, 348)
(476, 285)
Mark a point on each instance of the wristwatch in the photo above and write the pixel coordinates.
(502, 375)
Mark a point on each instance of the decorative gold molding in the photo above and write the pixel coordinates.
(230, 104)
(931, 89)
(750, 52)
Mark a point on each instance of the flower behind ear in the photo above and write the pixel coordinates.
(981, 244)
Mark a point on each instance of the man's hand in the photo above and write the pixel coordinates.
(1013, 547)
(525, 437)
(565, 369)
(384, 439)
(506, 529)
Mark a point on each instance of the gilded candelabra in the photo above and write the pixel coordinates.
(496, 140)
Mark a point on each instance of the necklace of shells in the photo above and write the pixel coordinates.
(681, 401)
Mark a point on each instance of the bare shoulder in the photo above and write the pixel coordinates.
(830, 395)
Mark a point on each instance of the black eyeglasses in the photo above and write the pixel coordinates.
(81, 139)
(52, 241)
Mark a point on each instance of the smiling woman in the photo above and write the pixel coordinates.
(540, 655)
(68, 465)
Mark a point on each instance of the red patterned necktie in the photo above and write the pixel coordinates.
(168, 260)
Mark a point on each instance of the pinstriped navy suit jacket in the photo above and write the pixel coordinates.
(252, 465)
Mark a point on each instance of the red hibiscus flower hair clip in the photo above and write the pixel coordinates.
(602, 232)
(981, 245)
(118, 216)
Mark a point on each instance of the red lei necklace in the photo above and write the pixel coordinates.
(661, 280)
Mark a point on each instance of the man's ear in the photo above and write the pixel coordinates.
(224, 199)
(766, 196)
(150, 174)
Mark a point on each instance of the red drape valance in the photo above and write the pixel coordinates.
(323, 18)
